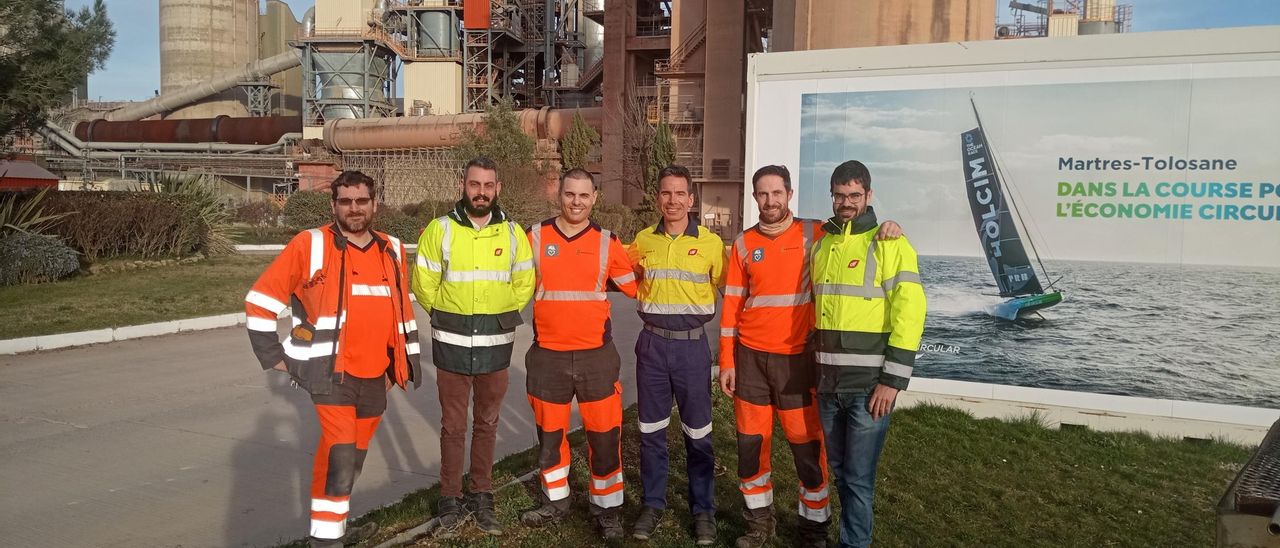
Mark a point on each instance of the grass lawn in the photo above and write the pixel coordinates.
(946, 479)
(213, 286)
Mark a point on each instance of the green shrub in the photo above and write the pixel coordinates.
(138, 224)
(21, 212)
(620, 219)
(257, 213)
(33, 258)
(397, 224)
(218, 234)
(308, 209)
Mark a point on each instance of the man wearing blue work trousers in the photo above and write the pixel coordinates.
(680, 265)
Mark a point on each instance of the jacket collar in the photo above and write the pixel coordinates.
(459, 214)
(691, 230)
(340, 241)
(858, 225)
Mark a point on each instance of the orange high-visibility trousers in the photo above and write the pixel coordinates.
(554, 379)
(348, 418)
(783, 383)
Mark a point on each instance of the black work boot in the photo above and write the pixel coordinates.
(358, 534)
(451, 517)
(647, 522)
(760, 527)
(704, 529)
(481, 506)
(609, 522)
(550, 513)
(813, 534)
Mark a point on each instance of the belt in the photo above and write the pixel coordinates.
(690, 335)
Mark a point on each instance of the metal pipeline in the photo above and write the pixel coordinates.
(1273, 526)
(222, 129)
(257, 70)
(350, 134)
(69, 143)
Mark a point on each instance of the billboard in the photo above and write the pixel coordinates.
(1108, 227)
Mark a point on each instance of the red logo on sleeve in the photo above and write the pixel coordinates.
(853, 263)
(693, 251)
(497, 252)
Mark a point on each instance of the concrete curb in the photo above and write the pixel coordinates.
(81, 338)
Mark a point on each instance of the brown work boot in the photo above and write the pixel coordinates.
(760, 527)
(813, 534)
(550, 513)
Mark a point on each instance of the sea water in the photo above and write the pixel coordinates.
(1183, 332)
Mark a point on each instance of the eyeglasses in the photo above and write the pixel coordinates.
(852, 197)
(347, 202)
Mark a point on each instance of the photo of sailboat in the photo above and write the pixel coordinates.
(1001, 242)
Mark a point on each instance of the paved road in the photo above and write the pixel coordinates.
(182, 440)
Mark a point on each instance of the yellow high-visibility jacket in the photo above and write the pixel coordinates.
(870, 306)
(681, 274)
(474, 284)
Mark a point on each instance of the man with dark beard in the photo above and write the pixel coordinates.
(354, 335)
(474, 273)
(766, 324)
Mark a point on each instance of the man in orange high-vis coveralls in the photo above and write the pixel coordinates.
(353, 335)
(767, 321)
(573, 354)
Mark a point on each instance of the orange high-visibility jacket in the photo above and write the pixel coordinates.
(768, 303)
(313, 276)
(570, 306)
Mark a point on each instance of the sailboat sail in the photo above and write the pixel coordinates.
(995, 224)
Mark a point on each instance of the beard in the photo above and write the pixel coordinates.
(772, 215)
(355, 224)
(847, 212)
(479, 209)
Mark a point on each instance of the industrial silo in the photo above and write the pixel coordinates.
(200, 39)
(278, 26)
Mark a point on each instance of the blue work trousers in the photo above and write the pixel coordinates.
(854, 442)
(669, 369)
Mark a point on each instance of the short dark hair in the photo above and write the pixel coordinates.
(780, 171)
(353, 178)
(578, 173)
(851, 171)
(676, 170)
(481, 162)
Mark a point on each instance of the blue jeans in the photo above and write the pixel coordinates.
(854, 442)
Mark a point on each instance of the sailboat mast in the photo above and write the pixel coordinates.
(1016, 210)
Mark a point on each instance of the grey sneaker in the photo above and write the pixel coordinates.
(451, 517)
(481, 507)
(646, 523)
(704, 529)
(549, 513)
(609, 522)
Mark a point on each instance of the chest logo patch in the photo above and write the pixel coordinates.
(553, 250)
(693, 252)
(497, 252)
(853, 263)
(757, 255)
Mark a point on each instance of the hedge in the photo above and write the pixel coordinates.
(34, 258)
(137, 224)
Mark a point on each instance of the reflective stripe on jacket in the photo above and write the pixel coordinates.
(870, 306)
(311, 276)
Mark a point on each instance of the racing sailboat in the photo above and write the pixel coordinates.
(1010, 265)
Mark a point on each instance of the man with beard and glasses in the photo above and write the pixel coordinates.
(573, 355)
(765, 365)
(870, 311)
(353, 336)
(474, 274)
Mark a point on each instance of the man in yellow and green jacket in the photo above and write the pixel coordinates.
(474, 274)
(870, 310)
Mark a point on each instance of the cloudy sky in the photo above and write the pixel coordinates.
(133, 71)
(910, 141)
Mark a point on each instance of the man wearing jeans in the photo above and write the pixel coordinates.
(870, 309)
